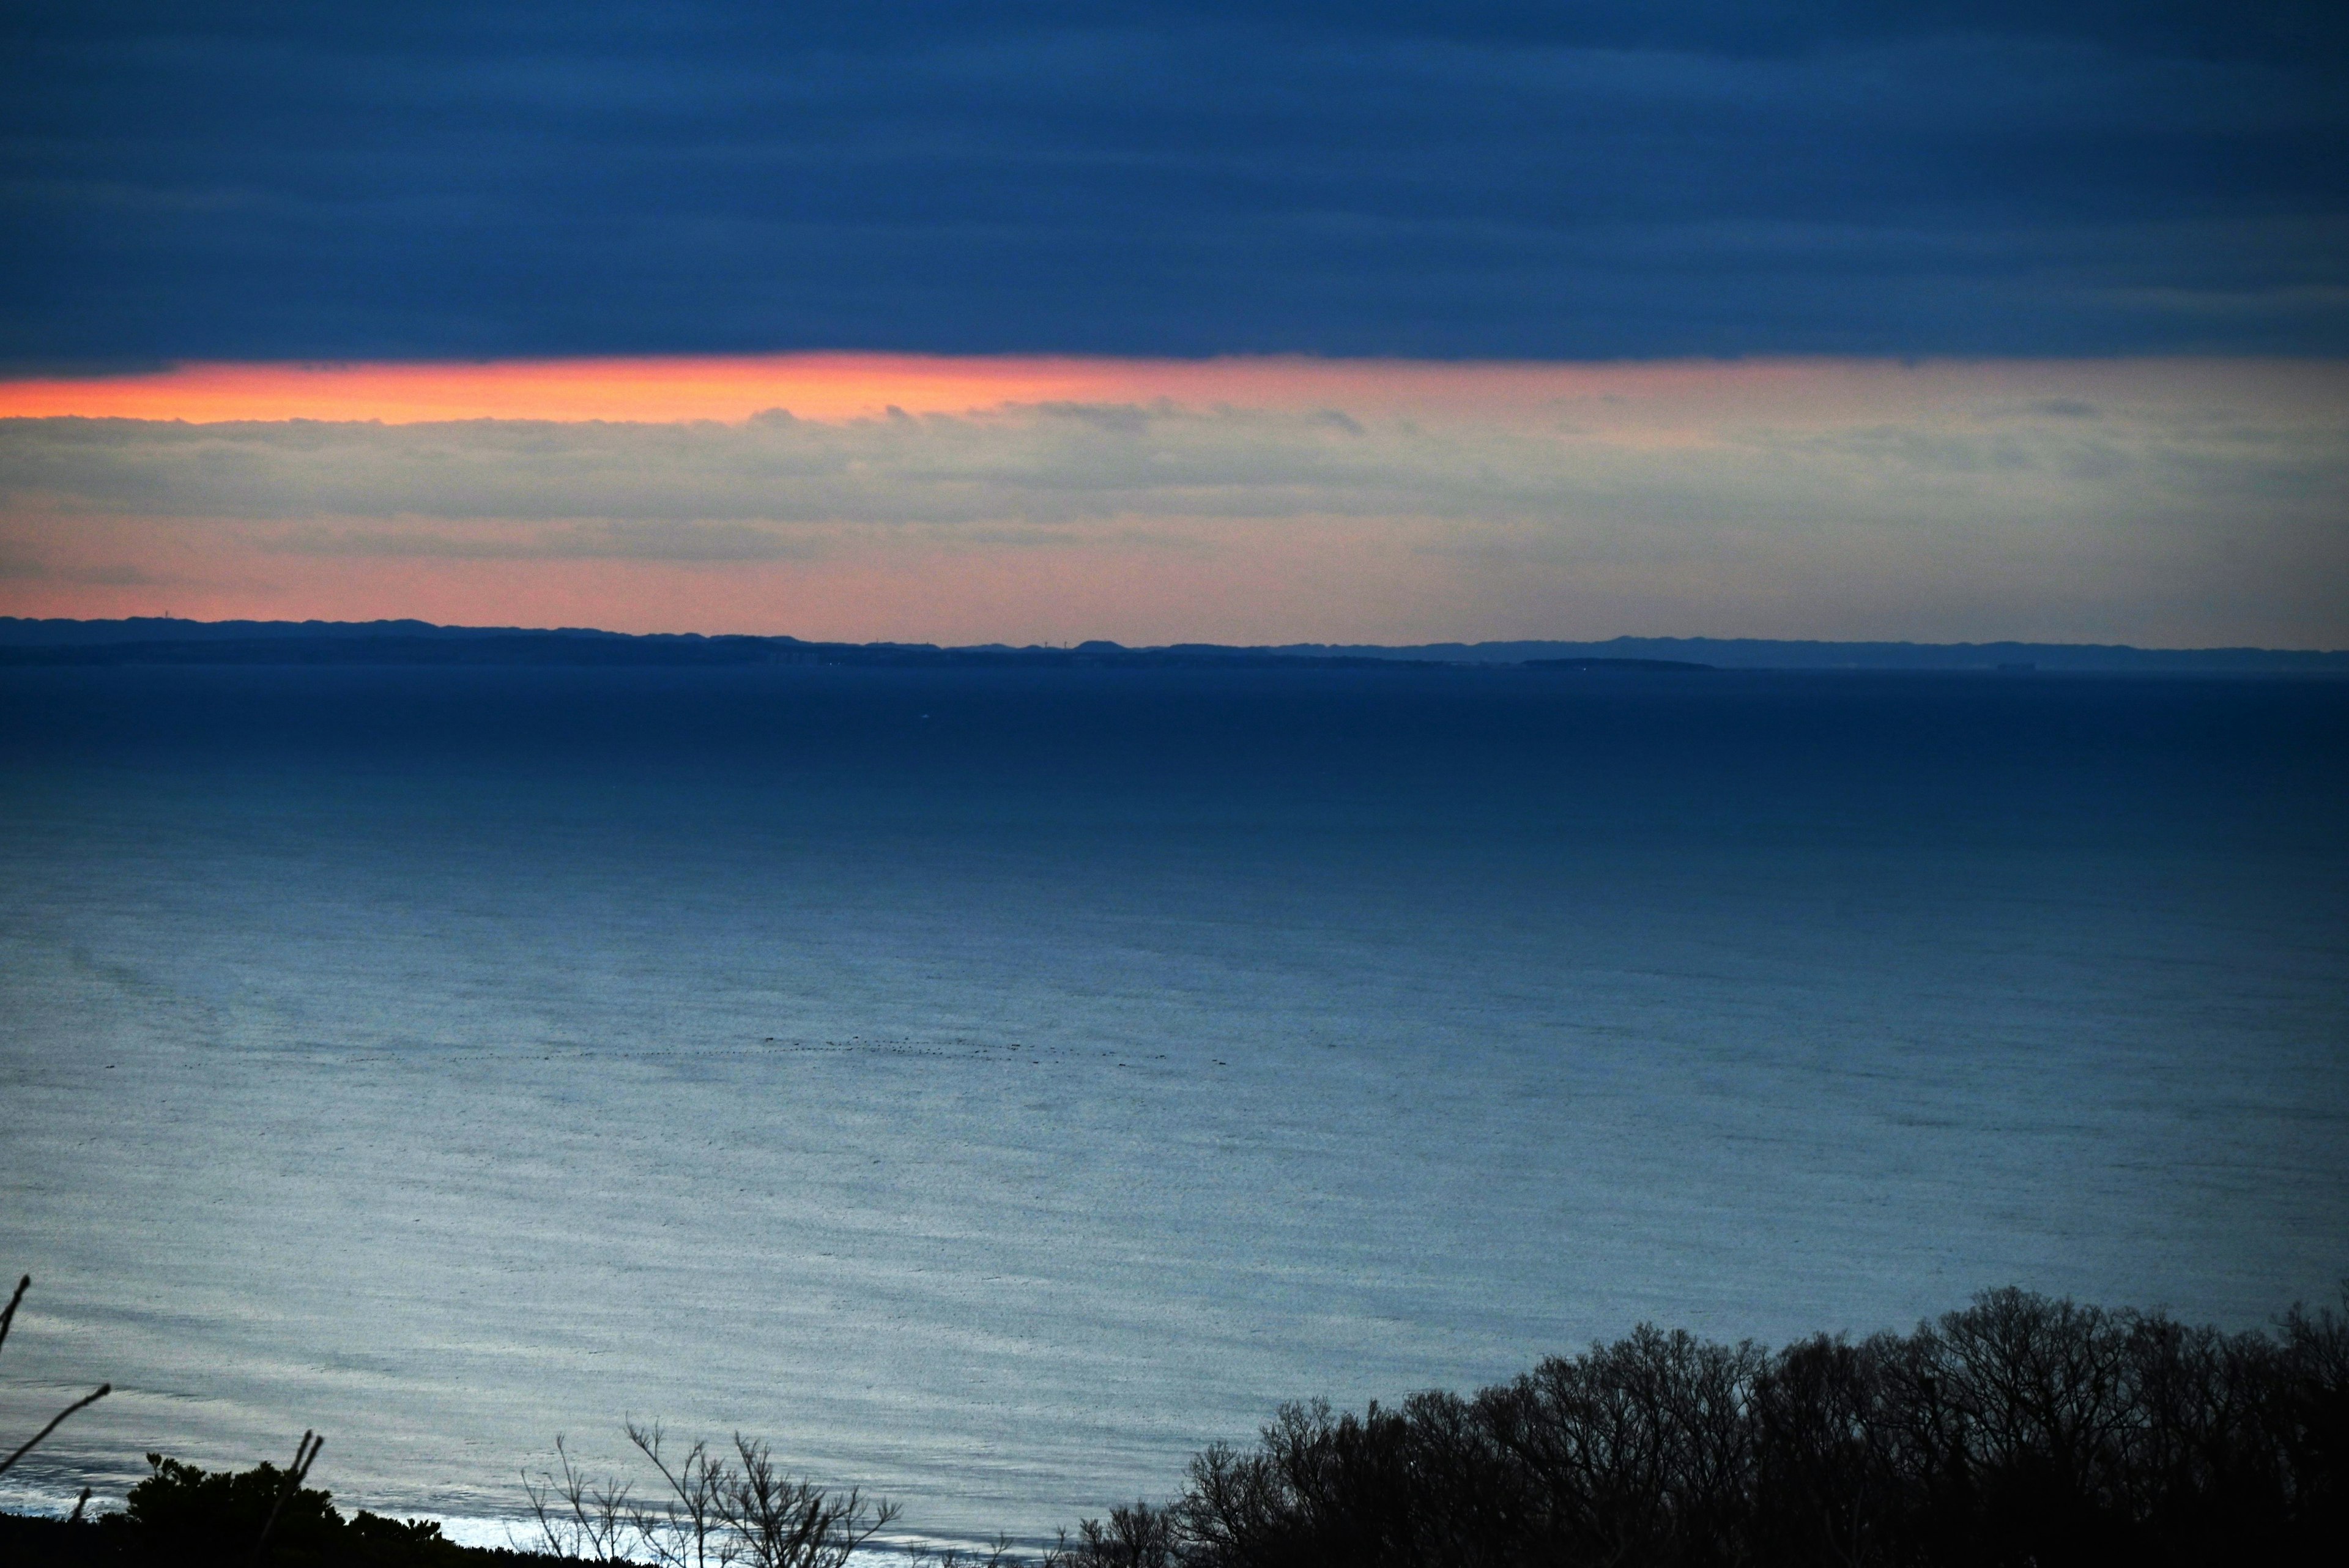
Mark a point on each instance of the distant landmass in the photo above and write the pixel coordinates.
(155, 639)
(1761, 653)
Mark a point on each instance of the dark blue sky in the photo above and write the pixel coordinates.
(1615, 178)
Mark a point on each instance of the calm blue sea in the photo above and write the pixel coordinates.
(994, 1086)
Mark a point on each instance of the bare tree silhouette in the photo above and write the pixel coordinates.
(2020, 1429)
(721, 1508)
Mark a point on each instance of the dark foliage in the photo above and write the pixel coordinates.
(2023, 1430)
(196, 1515)
(183, 1515)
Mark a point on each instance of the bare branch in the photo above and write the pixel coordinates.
(101, 1392)
(305, 1454)
(10, 1316)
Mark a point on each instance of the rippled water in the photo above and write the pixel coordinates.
(995, 1087)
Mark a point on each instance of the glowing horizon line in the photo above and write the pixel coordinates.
(834, 385)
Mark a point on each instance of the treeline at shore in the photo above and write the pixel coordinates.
(2023, 1430)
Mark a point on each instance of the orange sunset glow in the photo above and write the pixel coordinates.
(815, 386)
(1227, 499)
(848, 386)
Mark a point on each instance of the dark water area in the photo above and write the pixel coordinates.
(994, 1084)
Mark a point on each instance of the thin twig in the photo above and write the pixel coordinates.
(102, 1390)
(306, 1453)
(10, 1316)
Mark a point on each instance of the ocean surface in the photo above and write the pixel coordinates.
(993, 1087)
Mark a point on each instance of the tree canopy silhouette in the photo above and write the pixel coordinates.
(2021, 1430)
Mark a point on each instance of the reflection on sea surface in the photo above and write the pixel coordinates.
(993, 1087)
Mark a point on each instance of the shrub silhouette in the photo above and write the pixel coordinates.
(181, 1514)
(201, 1516)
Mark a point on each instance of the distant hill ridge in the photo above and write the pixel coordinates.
(1762, 653)
(160, 639)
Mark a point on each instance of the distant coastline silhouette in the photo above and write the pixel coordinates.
(164, 641)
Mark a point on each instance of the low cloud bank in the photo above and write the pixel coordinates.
(1988, 488)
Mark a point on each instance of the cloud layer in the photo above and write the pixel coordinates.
(2193, 502)
(1144, 177)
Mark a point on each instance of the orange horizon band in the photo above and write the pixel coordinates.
(837, 386)
(660, 390)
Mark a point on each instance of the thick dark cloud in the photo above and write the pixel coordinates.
(1496, 180)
